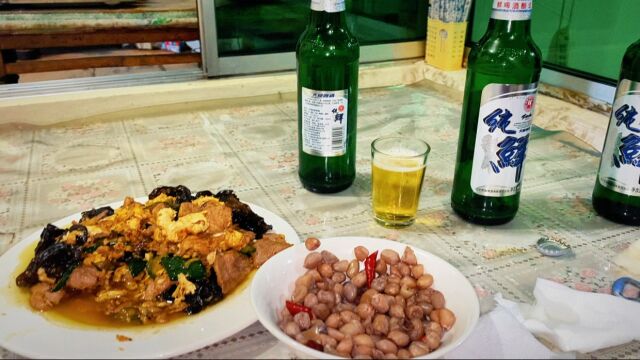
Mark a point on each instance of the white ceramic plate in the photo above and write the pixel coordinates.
(32, 334)
(274, 282)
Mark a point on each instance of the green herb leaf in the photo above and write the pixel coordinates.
(196, 270)
(64, 278)
(174, 265)
(136, 266)
(92, 248)
(248, 250)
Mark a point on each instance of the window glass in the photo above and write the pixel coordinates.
(587, 36)
(257, 26)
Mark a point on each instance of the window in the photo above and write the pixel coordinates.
(244, 36)
(582, 37)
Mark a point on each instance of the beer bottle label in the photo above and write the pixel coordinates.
(504, 124)
(620, 163)
(324, 122)
(330, 6)
(512, 9)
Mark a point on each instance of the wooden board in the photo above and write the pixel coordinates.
(50, 2)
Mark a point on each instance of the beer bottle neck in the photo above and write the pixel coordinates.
(327, 13)
(323, 18)
(511, 18)
(514, 28)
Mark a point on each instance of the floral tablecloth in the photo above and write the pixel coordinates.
(48, 173)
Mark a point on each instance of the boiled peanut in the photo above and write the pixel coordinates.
(341, 266)
(312, 260)
(379, 283)
(433, 340)
(404, 269)
(418, 348)
(299, 293)
(303, 320)
(334, 333)
(417, 271)
(348, 316)
(400, 338)
(446, 318)
(414, 312)
(381, 267)
(333, 321)
(361, 253)
(425, 281)
(409, 257)
(326, 297)
(312, 243)
(397, 311)
(345, 345)
(352, 328)
(292, 329)
(390, 257)
(437, 300)
(360, 350)
(387, 346)
(321, 311)
(363, 340)
(328, 257)
(392, 288)
(360, 280)
(365, 311)
(367, 295)
(380, 303)
(380, 324)
(353, 269)
(349, 292)
(310, 300)
(407, 291)
(325, 270)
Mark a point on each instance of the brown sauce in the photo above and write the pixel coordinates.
(82, 310)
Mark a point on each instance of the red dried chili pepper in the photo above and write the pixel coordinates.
(314, 345)
(295, 308)
(370, 267)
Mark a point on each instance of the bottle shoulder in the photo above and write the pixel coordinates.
(631, 63)
(504, 52)
(328, 42)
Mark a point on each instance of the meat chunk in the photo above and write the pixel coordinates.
(265, 249)
(243, 216)
(83, 277)
(42, 298)
(187, 208)
(231, 269)
(218, 216)
(157, 287)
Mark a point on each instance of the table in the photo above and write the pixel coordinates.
(50, 172)
(147, 21)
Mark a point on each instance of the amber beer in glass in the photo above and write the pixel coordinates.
(616, 195)
(327, 67)
(499, 98)
(397, 172)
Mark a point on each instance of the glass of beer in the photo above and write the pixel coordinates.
(397, 172)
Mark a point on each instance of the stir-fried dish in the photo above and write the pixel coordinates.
(142, 263)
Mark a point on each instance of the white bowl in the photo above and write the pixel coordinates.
(274, 282)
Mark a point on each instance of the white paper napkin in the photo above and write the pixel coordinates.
(577, 321)
(499, 335)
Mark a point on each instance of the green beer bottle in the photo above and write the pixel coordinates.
(327, 64)
(616, 195)
(502, 81)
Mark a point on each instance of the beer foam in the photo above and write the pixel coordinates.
(401, 152)
(398, 164)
